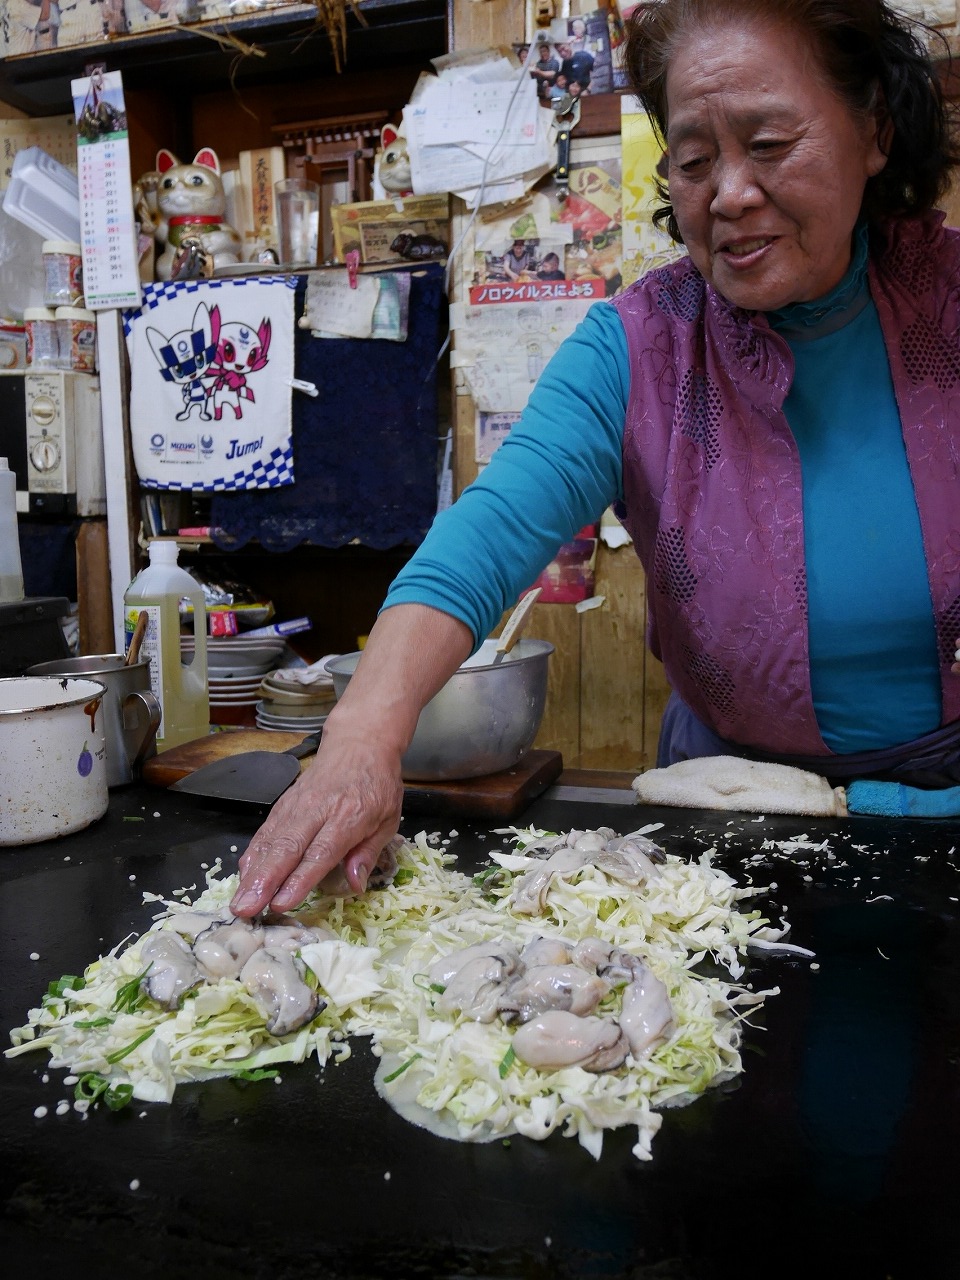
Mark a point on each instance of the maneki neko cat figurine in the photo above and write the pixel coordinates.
(191, 205)
(393, 163)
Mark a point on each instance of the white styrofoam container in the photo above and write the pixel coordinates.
(44, 195)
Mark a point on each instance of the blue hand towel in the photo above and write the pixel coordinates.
(896, 800)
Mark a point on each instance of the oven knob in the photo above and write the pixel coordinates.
(43, 410)
(45, 455)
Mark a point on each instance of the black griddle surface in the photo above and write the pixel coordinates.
(836, 1154)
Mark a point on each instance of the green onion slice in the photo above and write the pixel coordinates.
(129, 1048)
(401, 1069)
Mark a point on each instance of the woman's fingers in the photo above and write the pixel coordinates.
(323, 818)
(318, 861)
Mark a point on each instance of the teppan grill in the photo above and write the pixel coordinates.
(834, 1156)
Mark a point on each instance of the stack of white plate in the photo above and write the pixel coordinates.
(288, 724)
(232, 693)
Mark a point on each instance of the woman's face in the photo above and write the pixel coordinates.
(767, 166)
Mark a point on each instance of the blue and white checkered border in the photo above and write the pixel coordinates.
(271, 473)
(159, 290)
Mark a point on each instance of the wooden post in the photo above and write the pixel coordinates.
(93, 588)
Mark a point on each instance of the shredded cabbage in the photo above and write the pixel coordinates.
(455, 1076)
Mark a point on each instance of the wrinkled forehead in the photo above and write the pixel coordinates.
(785, 57)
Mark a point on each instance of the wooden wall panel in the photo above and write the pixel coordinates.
(561, 726)
(612, 691)
(484, 24)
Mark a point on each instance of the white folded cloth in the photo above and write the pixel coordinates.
(313, 675)
(727, 782)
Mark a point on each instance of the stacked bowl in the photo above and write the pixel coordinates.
(287, 703)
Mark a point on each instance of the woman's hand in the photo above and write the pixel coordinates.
(346, 805)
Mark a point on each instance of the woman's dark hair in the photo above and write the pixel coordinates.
(874, 58)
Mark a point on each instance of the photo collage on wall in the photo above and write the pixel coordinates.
(577, 56)
(551, 250)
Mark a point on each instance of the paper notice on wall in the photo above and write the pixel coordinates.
(478, 131)
(491, 431)
(336, 306)
(502, 351)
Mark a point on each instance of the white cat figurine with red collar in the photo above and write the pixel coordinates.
(191, 203)
(393, 163)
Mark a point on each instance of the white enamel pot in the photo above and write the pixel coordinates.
(53, 758)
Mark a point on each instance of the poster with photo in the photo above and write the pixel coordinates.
(575, 58)
(552, 249)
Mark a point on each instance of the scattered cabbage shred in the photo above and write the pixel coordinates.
(455, 1076)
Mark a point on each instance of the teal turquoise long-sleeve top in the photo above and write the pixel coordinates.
(872, 641)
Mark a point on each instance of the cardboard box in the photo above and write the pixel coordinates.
(373, 228)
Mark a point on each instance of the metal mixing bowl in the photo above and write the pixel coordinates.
(483, 719)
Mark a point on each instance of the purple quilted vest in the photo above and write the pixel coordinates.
(712, 481)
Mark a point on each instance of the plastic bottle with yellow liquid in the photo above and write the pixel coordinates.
(180, 686)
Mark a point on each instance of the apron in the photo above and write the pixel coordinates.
(931, 761)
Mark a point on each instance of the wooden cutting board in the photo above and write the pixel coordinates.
(499, 795)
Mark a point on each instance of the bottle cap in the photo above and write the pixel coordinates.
(60, 246)
(163, 551)
(39, 313)
(75, 313)
(4, 465)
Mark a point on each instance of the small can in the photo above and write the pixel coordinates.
(42, 343)
(63, 273)
(77, 337)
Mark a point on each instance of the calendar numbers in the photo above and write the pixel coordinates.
(108, 243)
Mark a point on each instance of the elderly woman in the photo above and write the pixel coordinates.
(776, 415)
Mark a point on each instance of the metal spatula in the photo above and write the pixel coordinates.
(515, 625)
(255, 777)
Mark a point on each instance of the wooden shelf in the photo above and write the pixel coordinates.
(186, 59)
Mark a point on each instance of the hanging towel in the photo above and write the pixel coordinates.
(211, 367)
(727, 782)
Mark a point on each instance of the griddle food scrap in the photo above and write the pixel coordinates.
(581, 982)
